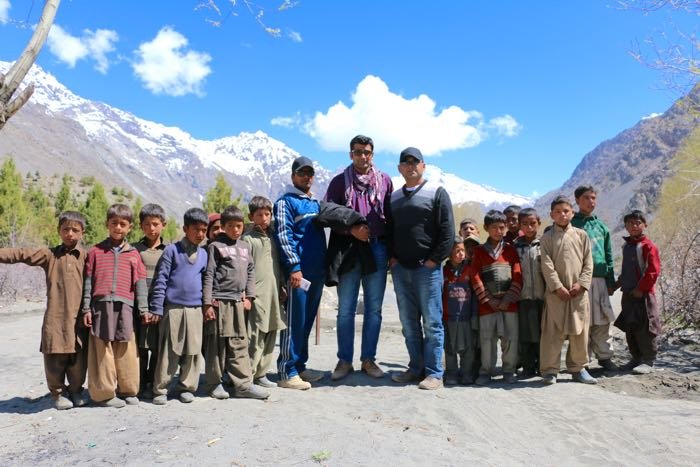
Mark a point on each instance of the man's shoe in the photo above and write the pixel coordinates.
(483, 380)
(528, 373)
(185, 397)
(583, 377)
(115, 403)
(61, 402)
(430, 383)
(371, 368)
(295, 382)
(451, 380)
(252, 392)
(629, 366)
(219, 393)
(608, 366)
(342, 369)
(80, 398)
(264, 382)
(510, 378)
(161, 399)
(311, 376)
(643, 369)
(131, 400)
(405, 377)
(549, 379)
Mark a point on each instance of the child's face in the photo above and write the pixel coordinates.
(118, 228)
(458, 253)
(215, 230)
(468, 229)
(635, 227)
(233, 229)
(562, 214)
(586, 202)
(70, 232)
(496, 231)
(261, 218)
(512, 222)
(530, 225)
(152, 228)
(195, 233)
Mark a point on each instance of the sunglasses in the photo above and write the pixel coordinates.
(361, 152)
(304, 173)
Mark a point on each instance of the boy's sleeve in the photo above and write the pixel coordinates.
(28, 256)
(140, 284)
(482, 294)
(551, 277)
(516, 277)
(586, 276)
(87, 284)
(651, 274)
(284, 235)
(609, 260)
(208, 278)
(160, 281)
(250, 282)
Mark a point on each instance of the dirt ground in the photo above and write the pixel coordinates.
(625, 420)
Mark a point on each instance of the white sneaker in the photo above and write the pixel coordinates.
(294, 382)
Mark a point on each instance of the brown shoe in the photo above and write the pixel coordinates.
(405, 377)
(342, 369)
(371, 368)
(430, 383)
(311, 376)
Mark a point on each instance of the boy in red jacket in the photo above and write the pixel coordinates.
(639, 318)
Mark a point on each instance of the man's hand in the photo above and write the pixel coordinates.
(430, 264)
(360, 232)
(209, 314)
(247, 305)
(636, 293)
(575, 290)
(295, 279)
(87, 319)
(563, 294)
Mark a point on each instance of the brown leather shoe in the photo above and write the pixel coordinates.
(342, 369)
(405, 377)
(371, 368)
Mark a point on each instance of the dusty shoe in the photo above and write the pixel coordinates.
(185, 397)
(80, 399)
(342, 369)
(61, 402)
(510, 378)
(264, 382)
(295, 382)
(608, 366)
(549, 379)
(430, 383)
(252, 392)
(161, 399)
(131, 400)
(583, 377)
(219, 393)
(405, 377)
(115, 403)
(483, 380)
(629, 366)
(311, 376)
(371, 368)
(643, 369)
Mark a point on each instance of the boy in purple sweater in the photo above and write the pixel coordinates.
(177, 297)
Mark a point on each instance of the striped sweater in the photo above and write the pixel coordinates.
(499, 278)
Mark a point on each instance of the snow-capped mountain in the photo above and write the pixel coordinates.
(58, 131)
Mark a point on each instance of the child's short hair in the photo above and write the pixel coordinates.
(561, 199)
(361, 139)
(527, 212)
(512, 209)
(71, 216)
(458, 241)
(152, 210)
(467, 221)
(494, 216)
(231, 213)
(195, 216)
(582, 189)
(635, 215)
(259, 202)
(120, 210)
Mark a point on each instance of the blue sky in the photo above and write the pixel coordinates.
(510, 94)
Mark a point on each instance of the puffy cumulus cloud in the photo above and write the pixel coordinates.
(394, 121)
(93, 45)
(505, 126)
(167, 66)
(4, 11)
(295, 36)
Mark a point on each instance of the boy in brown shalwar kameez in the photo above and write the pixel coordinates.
(63, 342)
(567, 267)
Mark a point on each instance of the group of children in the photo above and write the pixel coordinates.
(149, 309)
(534, 292)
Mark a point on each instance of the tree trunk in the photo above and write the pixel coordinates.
(10, 82)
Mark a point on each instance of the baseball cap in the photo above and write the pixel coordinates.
(301, 162)
(411, 152)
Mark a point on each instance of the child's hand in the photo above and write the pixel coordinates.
(563, 294)
(87, 319)
(636, 293)
(611, 290)
(503, 305)
(575, 290)
(209, 314)
(149, 318)
(283, 294)
(494, 303)
(247, 305)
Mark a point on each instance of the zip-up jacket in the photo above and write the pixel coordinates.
(601, 246)
(230, 273)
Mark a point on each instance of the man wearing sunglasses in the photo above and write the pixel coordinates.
(362, 255)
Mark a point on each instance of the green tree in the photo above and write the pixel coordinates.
(64, 201)
(136, 234)
(95, 212)
(172, 231)
(42, 226)
(14, 214)
(219, 197)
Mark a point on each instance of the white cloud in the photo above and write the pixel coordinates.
(4, 11)
(295, 36)
(505, 126)
(94, 45)
(651, 115)
(396, 122)
(167, 66)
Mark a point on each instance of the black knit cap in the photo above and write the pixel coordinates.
(411, 152)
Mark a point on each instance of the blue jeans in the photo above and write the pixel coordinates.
(373, 286)
(419, 296)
